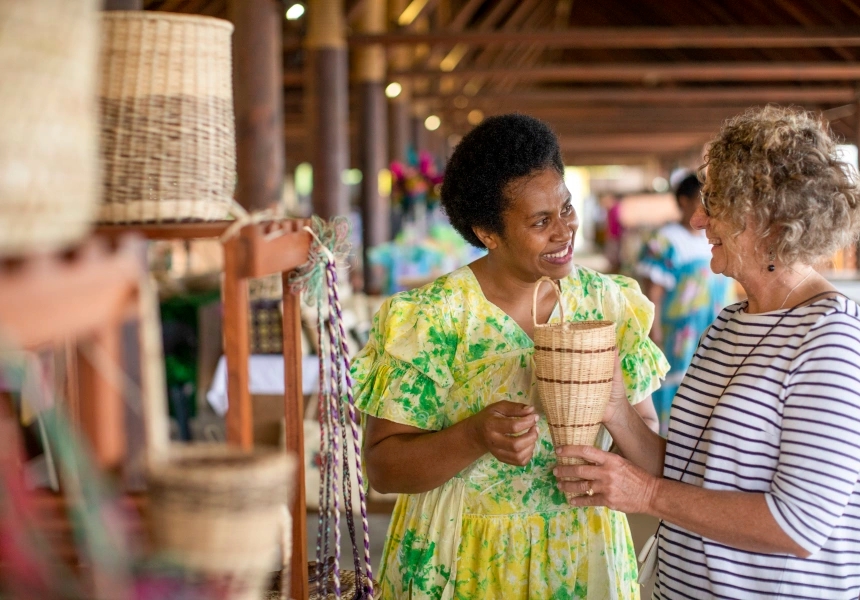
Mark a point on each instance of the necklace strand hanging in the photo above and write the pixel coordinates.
(797, 285)
(337, 413)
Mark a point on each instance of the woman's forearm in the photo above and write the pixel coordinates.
(411, 463)
(737, 519)
(636, 441)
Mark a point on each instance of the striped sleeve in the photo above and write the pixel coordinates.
(819, 451)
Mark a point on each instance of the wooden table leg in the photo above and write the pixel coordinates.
(101, 409)
(295, 438)
(240, 426)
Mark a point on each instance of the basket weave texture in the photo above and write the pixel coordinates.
(574, 364)
(349, 583)
(48, 119)
(168, 137)
(217, 511)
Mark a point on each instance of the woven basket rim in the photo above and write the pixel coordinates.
(260, 461)
(587, 324)
(148, 15)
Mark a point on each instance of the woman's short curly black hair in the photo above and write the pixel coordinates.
(488, 158)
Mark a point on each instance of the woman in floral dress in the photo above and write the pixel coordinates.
(453, 422)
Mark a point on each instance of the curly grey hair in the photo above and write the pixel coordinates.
(779, 169)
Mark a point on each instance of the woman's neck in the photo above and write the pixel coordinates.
(785, 288)
(501, 283)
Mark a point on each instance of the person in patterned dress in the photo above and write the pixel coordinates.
(452, 420)
(687, 295)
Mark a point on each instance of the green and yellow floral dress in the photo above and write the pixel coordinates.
(443, 352)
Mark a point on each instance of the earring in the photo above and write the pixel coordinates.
(770, 258)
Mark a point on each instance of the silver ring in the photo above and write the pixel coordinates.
(589, 492)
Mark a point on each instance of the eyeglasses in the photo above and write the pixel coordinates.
(706, 202)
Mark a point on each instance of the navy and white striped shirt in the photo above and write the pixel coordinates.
(788, 426)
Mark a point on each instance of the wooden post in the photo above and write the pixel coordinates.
(400, 59)
(327, 106)
(234, 292)
(258, 98)
(294, 434)
(102, 412)
(370, 75)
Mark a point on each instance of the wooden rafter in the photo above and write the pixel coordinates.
(654, 73)
(782, 94)
(633, 37)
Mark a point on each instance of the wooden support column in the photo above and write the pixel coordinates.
(370, 77)
(294, 433)
(258, 98)
(234, 292)
(327, 106)
(400, 58)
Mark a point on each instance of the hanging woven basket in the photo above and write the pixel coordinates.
(168, 138)
(574, 364)
(48, 129)
(218, 512)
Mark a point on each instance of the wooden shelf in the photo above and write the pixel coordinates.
(84, 295)
(50, 298)
(259, 250)
(168, 231)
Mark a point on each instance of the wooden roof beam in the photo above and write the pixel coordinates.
(655, 73)
(646, 143)
(609, 95)
(633, 37)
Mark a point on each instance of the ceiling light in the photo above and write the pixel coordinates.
(475, 116)
(295, 12)
(432, 123)
(393, 89)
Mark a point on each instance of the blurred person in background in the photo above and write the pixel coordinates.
(687, 295)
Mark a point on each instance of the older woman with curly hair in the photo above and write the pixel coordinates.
(448, 391)
(757, 485)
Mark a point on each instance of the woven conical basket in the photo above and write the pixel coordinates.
(573, 366)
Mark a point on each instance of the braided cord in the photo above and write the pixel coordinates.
(334, 300)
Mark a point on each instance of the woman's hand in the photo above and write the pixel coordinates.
(507, 430)
(612, 480)
(618, 395)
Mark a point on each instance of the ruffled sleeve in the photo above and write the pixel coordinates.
(404, 372)
(619, 299)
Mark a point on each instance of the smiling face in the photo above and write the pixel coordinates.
(539, 228)
(736, 256)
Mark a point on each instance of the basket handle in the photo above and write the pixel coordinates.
(557, 290)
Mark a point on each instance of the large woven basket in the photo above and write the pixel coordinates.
(168, 135)
(217, 511)
(48, 127)
(574, 363)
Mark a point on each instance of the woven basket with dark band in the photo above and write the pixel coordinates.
(168, 134)
(574, 364)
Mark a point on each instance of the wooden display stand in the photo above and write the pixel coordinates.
(257, 250)
(85, 295)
